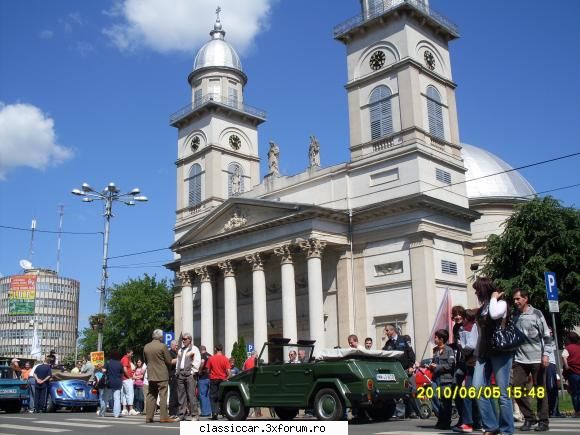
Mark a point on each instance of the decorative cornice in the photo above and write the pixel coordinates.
(227, 267)
(185, 278)
(203, 273)
(313, 247)
(256, 261)
(284, 252)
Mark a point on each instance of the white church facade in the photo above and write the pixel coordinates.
(342, 249)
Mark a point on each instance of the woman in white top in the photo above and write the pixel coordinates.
(493, 309)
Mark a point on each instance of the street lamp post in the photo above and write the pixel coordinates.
(110, 194)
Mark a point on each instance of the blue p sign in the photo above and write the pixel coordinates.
(552, 291)
(168, 337)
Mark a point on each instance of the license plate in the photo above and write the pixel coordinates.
(80, 394)
(8, 391)
(389, 377)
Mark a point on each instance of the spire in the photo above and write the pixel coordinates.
(218, 32)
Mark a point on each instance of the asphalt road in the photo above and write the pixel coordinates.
(88, 423)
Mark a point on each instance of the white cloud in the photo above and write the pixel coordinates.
(183, 25)
(27, 138)
(46, 34)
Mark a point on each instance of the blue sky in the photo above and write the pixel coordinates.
(87, 89)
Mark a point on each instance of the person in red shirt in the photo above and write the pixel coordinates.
(219, 370)
(127, 392)
(250, 363)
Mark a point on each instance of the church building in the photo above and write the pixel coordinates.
(343, 249)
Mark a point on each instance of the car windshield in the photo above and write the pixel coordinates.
(285, 353)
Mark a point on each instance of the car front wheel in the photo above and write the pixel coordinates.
(328, 405)
(234, 408)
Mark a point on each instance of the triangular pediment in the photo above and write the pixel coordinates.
(240, 215)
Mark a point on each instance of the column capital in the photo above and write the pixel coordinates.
(313, 247)
(185, 278)
(284, 252)
(256, 261)
(227, 267)
(203, 273)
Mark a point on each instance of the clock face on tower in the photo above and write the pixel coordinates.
(377, 60)
(235, 142)
(195, 142)
(429, 60)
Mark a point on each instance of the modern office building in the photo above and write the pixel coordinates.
(41, 303)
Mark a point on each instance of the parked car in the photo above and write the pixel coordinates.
(344, 378)
(12, 391)
(72, 391)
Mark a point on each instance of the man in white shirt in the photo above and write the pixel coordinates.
(186, 369)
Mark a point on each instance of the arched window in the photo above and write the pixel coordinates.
(435, 112)
(380, 112)
(235, 179)
(194, 184)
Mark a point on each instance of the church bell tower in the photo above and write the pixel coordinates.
(400, 88)
(217, 145)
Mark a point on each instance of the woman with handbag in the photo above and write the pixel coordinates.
(491, 317)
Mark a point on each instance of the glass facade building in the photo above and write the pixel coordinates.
(53, 314)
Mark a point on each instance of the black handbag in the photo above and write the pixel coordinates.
(506, 336)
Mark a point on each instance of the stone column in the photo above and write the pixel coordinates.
(177, 317)
(230, 307)
(206, 308)
(259, 302)
(186, 302)
(313, 249)
(289, 323)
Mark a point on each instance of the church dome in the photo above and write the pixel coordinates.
(217, 52)
(480, 163)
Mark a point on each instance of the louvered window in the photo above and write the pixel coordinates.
(443, 176)
(233, 97)
(380, 112)
(435, 112)
(235, 180)
(197, 97)
(194, 185)
(449, 267)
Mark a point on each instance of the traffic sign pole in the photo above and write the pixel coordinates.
(554, 306)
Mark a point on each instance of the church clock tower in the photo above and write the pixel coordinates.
(400, 87)
(217, 146)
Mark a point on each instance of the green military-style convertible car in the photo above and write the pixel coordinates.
(288, 378)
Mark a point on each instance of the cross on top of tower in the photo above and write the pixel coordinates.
(217, 12)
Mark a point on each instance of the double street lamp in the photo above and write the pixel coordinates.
(110, 194)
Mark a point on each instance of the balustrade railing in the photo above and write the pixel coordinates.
(379, 8)
(233, 103)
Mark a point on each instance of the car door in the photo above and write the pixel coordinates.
(266, 388)
(298, 380)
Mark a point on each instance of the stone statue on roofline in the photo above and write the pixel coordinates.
(314, 153)
(274, 159)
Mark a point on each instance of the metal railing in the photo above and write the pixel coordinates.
(233, 103)
(380, 8)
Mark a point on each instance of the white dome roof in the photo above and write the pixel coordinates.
(480, 163)
(217, 52)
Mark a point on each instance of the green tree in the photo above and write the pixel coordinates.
(135, 309)
(239, 352)
(88, 341)
(541, 235)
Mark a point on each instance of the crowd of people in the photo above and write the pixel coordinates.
(478, 356)
(494, 362)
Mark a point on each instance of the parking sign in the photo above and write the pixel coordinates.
(552, 292)
(168, 337)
